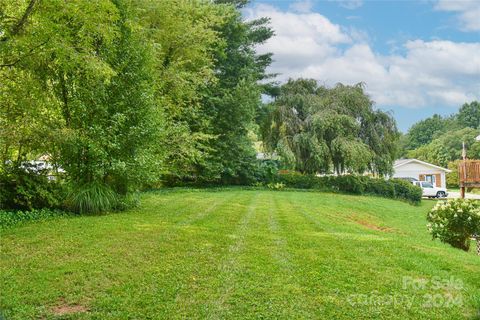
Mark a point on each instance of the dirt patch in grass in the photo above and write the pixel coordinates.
(370, 225)
(63, 308)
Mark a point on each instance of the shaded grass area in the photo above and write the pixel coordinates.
(239, 254)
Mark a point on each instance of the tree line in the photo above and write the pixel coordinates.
(120, 95)
(439, 140)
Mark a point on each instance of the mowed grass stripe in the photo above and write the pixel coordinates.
(296, 300)
(326, 250)
(259, 285)
(213, 206)
(212, 256)
(310, 248)
(180, 288)
(230, 265)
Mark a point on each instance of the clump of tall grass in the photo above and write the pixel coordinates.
(94, 197)
(128, 201)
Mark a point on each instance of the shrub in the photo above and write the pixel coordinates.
(348, 183)
(265, 171)
(92, 197)
(259, 171)
(130, 200)
(382, 187)
(455, 221)
(299, 181)
(27, 187)
(11, 218)
(406, 190)
(394, 188)
(276, 185)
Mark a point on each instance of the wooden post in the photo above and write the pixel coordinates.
(468, 175)
(462, 185)
(462, 173)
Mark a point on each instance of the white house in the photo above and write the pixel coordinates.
(420, 170)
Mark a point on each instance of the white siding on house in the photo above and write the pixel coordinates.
(414, 169)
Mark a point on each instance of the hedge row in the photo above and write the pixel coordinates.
(393, 188)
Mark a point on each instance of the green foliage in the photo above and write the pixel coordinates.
(455, 221)
(89, 69)
(452, 177)
(439, 139)
(111, 139)
(276, 185)
(423, 132)
(348, 183)
(27, 187)
(230, 103)
(92, 198)
(469, 115)
(388, 189)
(406, 190)
(448, 147)
(207, 73)
(301, 181)
(183, 56)
(353, 184)
(321, 130)
(128, 201)
(265, 171)
(11, 218)
(125, 92)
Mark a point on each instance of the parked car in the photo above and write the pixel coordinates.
(409, 179)
(430, 191)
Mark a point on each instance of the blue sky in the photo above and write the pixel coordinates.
(417, 58)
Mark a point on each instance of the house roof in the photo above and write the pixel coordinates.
(401, 162)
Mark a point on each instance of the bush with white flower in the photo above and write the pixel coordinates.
(455, 221)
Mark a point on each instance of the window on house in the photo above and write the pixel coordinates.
(430, 178)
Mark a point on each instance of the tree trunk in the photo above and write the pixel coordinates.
(64, 92)
(16, 28)
(478, 244)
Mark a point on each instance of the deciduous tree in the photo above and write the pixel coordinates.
(319, 130)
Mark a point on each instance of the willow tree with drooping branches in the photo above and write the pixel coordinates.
(316, 129)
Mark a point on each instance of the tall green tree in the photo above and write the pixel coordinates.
(469, 115)
(319, 130)
(88, 93)
(184, 58)
(423, 132)
(233, 101)
(42, 41)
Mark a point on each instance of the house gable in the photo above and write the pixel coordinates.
(417, 165)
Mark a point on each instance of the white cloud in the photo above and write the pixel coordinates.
(350, 4)
(428, 73)
(468, 12)
(302, 6)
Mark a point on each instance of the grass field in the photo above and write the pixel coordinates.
(239, 254)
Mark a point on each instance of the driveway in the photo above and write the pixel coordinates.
(455, 194)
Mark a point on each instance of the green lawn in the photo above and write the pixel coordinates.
(239, 254)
